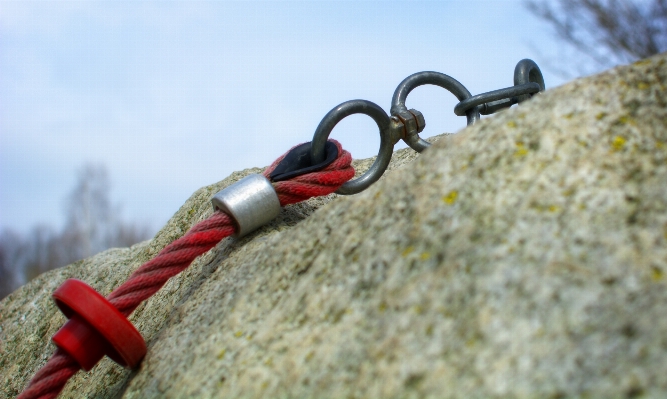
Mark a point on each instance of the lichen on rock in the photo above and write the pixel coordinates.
(523, 257)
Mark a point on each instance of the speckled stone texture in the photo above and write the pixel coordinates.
(522, 258)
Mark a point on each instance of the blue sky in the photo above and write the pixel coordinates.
(172, 96)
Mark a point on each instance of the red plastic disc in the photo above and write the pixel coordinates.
(95, 328)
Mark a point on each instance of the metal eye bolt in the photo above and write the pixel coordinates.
(428, 78)
(388, 137)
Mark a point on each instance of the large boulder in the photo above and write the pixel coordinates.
(523, 257)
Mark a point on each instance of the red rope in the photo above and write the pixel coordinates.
(52, 377)
(315, 184)
(175, 257)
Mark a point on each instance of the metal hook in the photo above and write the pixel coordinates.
(389, 133)
(433, 78)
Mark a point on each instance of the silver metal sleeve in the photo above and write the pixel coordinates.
(252, 202)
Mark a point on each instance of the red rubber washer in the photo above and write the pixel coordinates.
(95, 328)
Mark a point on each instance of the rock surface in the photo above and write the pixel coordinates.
(524, 257)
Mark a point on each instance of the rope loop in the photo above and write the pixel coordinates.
(144, 282)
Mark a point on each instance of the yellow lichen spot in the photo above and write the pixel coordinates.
(221, 354)
(642, 62)
(521, 149)
(249, 337)
(470, 343)
(268, 361)
(382, 307)
(569, 116)
(429, 330)
(618, 143)
(659, 145)
(521, 116)
(553, 208)
(418, 309)
(450, 198)
(600, 115)
(568, 192)
(643, 86)
(656, 273)
(407, 251)
(265, 384)
(626, 119)
(378, 194)
(511, 124)
(425, 256)
(310, 356)
(238, 334)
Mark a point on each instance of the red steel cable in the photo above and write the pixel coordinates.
(177, 256)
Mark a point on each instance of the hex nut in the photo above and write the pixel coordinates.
(419, 119)
(409, 122)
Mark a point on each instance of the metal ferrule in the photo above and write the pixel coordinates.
(252, 202)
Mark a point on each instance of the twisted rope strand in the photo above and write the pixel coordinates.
(52, 377)
(173, 259)
(177, 256)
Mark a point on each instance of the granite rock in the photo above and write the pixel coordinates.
(523, 257)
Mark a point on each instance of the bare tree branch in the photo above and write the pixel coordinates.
(93, 225)
(608, 32)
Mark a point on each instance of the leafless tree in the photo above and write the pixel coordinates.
(12, 253)
(607, 32)
(90, 219)
(92, 225)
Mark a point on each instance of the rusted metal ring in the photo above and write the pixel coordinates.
(425, 78)
(337, 114)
